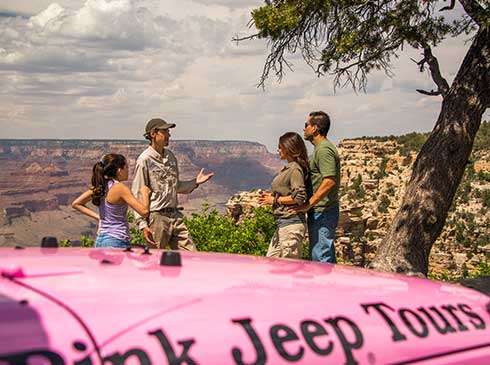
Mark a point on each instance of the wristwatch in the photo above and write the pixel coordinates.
(275, 202)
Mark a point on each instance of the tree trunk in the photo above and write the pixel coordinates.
(439, 167)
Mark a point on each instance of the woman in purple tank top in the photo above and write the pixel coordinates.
(112, 198)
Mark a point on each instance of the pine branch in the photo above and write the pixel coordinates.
(430, 93)
(450, 6)
(476, 12)
(435, 71)
(440, 81)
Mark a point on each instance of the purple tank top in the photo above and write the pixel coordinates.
(113, 217)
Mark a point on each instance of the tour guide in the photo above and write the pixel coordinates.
(157, 168)
(323, 204)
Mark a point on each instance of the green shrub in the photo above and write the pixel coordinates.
(390, 190)
(482, 138)
(86, 241)
(444, 276)
(214, 232)
(412, 141)
(481, 241)
(384, 204)
(483, 269)
(382, 168)
(485, 198)
(136, 236)
(460, 232)
(407, 160)
(65, 243)
(483, 176)
(357, 191)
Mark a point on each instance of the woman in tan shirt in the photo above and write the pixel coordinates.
(288, 190)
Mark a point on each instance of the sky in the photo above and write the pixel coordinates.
(102, 68)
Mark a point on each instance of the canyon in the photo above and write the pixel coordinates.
(40, 178)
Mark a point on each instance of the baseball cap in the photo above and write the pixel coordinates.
(157, 123)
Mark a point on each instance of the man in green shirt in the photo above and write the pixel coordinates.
(323, 203)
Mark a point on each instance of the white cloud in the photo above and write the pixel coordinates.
(51, 13)
(101, 68)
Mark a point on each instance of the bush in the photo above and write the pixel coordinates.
(382, 168)
(65, 243)
(86, 241)
(481, 241)
(358, 191)
(482, 138)
(412, 141)
(213, 232)
(407, 160)
(460, 232)
(485, 198)
(384, 204)
(483, 269)
(444, 276)
(390, 190)
(483, 176)
(136, 236)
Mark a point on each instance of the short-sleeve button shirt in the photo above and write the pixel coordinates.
(325, 162)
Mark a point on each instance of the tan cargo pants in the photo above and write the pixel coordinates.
(287, 241)
(170, 230)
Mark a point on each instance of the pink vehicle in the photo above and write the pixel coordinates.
(95, 306)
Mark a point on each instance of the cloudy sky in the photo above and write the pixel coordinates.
(102, 68)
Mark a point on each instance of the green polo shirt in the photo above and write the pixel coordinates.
(325, 162)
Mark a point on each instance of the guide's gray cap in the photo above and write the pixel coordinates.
(157, 123)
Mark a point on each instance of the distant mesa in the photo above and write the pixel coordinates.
(35, 168)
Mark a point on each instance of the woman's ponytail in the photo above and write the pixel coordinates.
(98, 183)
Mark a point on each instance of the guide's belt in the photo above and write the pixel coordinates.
(170, 210)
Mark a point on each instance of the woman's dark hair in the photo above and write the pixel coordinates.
(293, 146)
(103, 171)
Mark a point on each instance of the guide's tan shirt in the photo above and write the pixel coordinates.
(161, 175)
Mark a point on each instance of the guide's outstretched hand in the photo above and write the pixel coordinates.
(201, 178)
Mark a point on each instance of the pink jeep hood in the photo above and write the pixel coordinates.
(93, 306)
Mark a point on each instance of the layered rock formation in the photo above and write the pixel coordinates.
(374, 178)
(40, 177)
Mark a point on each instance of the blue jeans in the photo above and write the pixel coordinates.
(321, 233)
(104, 240)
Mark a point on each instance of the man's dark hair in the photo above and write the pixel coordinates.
(322, 121)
